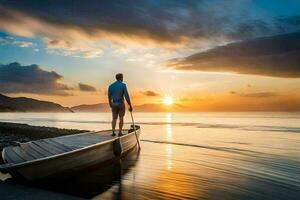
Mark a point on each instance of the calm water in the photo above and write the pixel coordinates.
(191, 155)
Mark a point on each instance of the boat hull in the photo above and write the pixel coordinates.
(74, 160)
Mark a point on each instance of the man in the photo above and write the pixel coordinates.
(116, 93)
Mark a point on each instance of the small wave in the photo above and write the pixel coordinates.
(227, 149)
(195, 124)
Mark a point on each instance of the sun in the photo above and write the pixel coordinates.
(168, 100)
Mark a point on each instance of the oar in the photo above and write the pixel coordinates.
(137, 139)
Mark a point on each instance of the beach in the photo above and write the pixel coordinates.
(187, 155)
(12, 133)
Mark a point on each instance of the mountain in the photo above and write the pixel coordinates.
(100, 107)
(23, 104)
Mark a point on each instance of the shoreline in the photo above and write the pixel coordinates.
(13, 133)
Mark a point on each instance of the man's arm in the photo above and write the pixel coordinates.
(109, 96)
(127, 97)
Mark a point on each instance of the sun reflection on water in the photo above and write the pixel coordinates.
(169, 131)
(169, 156)
(169, 137)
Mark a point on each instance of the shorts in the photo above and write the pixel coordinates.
(118, 110)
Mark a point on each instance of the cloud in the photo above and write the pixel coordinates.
(86, 88)
(15, 78)
(72, 49)
(150, 93)
(92, 54)
(12, 41)
(58, 44)
(259, 94)
(78, 25)
(276, 56)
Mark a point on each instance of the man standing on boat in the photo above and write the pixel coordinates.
(116, 93)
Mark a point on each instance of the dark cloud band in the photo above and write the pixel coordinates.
(276, 56)
(86, 88)
(150, 93)
(15, 78)
(165, 23)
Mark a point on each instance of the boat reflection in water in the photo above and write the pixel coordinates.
(94, 180)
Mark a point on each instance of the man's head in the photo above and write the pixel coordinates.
(119, 77)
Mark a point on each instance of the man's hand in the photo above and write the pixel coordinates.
(130, 108)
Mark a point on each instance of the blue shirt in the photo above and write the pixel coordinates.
(116, 93)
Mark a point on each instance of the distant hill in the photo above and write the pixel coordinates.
(104, 107)
(23, 104)
(100, 107)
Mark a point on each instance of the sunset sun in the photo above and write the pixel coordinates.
(168, 100)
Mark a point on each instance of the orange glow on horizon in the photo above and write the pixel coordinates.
(188, 102)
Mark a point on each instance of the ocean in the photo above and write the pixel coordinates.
(189, 155)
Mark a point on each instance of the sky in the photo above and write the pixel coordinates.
(207, 55)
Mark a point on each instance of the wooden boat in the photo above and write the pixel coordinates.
(54, 156)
